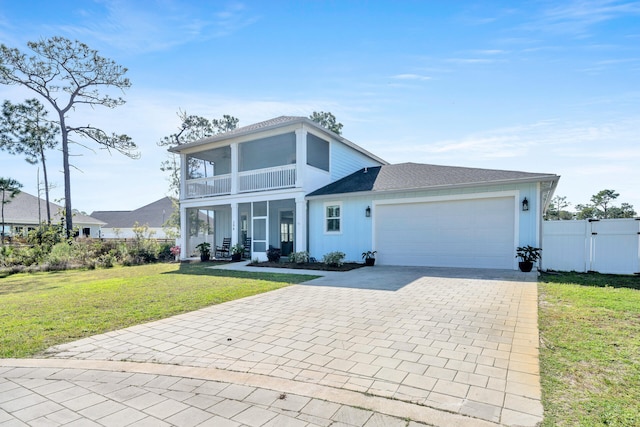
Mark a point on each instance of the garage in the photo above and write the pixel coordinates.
(471, 233)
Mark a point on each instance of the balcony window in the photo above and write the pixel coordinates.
(209, 163)
(317, 152)
(279, 150)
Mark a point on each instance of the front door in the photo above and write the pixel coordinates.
(286, 232)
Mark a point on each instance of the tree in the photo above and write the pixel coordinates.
(556, 209)
(602, 201)
(601, 207)
(586, 212)
(624, 211)
(25, 129)
(191, 129)
(10, 188)
(68, 74)
(327, 120)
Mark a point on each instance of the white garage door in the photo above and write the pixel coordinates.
(475, 233)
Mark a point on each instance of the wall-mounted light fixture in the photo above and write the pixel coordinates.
(525, 204)
(367, 212)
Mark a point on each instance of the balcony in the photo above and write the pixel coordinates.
(256, 180)
(267, 179)
(205, 187)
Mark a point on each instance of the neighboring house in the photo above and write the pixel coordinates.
(26, 212)
(120, 224)
(291, 184)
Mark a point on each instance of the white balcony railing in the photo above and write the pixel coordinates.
(212, 186)
(267, 179)
(255, 180)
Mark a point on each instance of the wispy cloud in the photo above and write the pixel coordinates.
(577, 17)
(556, 139)
(490, 52)
(470, 60)
(140, 27)
(411, 77)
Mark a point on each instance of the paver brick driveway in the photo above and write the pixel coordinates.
(433, 337)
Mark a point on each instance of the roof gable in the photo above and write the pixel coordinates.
(154, 215)
(415, 176)
(28, 209)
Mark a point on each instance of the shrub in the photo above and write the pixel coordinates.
(273, 254)
(105, 261)
(46, 236)
(299, 257)
(60, 256)
(165, 252)
(334, 259)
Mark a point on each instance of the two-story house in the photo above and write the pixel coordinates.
(291, 184)
(252, 182)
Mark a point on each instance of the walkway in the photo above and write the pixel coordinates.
(439, 346)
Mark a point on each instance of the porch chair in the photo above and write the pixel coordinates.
(224, 250)
(247, 248)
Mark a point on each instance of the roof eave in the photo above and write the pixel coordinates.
(553, 178)
(301, 120)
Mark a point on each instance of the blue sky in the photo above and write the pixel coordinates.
(537, 86)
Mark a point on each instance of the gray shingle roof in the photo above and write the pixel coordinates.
(256, 127)
(272, 124)
(413, 176)
(154, 215)
(28, 209)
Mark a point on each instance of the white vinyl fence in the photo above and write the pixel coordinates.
(606, 246)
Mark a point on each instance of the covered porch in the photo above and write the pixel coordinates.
(267, 223)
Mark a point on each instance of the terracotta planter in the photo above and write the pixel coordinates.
(525, 266)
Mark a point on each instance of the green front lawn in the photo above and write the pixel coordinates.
(44, 309)
(590, 349)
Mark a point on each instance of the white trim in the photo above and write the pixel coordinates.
(324, 218)
(258, 196)
(375, 193)
(454, 197)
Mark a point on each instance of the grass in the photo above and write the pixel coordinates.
(590, 349)
(43, 309)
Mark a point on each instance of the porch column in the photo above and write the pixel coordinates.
(301, 156)
(182, 191)
(183, 232)
(234, 168)
(301, 224)
(234, 223)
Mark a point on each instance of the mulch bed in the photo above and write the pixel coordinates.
(347, 266)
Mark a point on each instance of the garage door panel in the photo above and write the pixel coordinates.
(476, 233)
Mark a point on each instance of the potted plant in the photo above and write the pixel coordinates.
(528, 255)
(369, 257)
(236, 251)
(205, 251)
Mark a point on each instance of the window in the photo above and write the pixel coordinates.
(278, 150)
(317, 152)
(332, 218)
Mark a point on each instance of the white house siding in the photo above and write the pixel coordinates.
(315, 178)
(346, 160)
(128, 233)
(356, 236)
